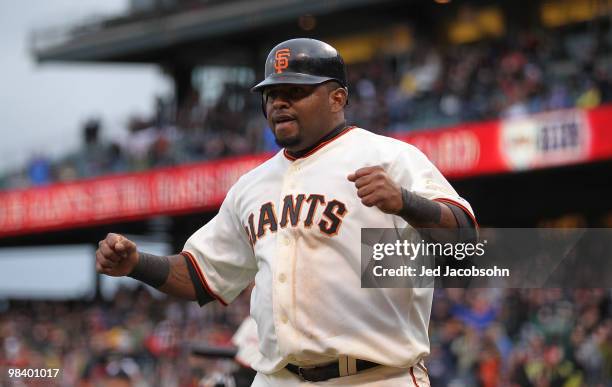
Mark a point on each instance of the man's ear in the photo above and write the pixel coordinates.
(337, 99)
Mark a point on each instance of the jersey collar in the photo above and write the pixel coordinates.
(335, 133)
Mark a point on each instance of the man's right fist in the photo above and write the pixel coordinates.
(116, 256)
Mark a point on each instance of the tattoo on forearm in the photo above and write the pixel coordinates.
(418, 209)
(151, 269)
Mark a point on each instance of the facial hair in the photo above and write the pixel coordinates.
(286, 142)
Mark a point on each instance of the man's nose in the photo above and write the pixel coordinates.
(280, 100)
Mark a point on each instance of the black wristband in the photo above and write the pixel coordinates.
(151, 269)
(416, 208)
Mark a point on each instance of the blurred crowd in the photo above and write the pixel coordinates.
(524, 73)
(135, 338)
(514, 337)
(479, 338)
(428, 86)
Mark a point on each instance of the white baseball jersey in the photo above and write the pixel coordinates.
(294, 226)
(245, 339)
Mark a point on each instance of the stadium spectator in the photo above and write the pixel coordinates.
(427, 87)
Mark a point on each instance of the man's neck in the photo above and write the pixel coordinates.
(329, 135)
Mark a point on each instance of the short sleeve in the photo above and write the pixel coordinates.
(413, 171)
(221, 253)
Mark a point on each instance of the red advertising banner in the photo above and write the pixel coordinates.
(121, 197)
(537, 141)
(461, 151)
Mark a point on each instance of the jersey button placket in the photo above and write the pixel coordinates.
(281, 291)
(283, 285)
(291, 176)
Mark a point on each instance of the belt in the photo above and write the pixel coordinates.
(329, 371)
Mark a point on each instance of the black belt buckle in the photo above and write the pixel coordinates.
(326, 372)
(300, 374)
(318, 374)
(314, 373)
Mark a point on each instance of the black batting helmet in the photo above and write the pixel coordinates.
(303, 61)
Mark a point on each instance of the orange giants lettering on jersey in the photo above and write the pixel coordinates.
(330, 221)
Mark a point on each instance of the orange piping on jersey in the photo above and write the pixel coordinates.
(451, 201)
(321, 145)
(413, 378)
(202, 277)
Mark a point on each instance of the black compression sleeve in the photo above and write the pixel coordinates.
(463, 220)
(202, 295)
(467, 228)
(151, 269)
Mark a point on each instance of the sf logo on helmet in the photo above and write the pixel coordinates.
(281, 60)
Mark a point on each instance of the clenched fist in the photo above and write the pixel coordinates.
(116, 255)
(375, 188)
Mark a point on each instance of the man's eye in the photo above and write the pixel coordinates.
(299, 92)
(293, 93)
(270, 95)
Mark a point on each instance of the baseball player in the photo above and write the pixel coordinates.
(293, 226)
